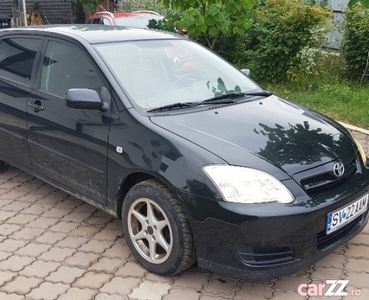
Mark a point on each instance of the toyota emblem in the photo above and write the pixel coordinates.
(338, 169)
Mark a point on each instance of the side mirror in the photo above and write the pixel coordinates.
(83, 99)
(247, 72)
(183, 32)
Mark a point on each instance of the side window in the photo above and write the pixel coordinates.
(66, 67)
(95, 21)
(106, 21)
(17, 56)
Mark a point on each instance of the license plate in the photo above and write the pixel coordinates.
(339, 218)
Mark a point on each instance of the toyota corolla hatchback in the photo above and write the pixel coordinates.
(200, 162)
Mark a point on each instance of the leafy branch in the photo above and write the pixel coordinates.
(364, 3)
(210, 18)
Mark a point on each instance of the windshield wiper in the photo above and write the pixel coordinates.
(262, 93)
(222, 99)
(177, 105)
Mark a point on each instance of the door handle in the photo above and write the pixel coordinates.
(37, 107)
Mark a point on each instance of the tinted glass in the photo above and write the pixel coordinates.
(66, 67)
(17, 57)
(95, 21)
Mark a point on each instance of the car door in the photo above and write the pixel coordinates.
(68, 146)
(17, 60)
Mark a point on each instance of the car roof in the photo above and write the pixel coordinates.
(95, 34)
(137, 13)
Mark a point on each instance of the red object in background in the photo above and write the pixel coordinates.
(138, 19)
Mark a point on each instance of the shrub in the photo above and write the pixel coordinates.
(355, 42)
(316, 65)
(154, 5)
(78, 12)
(161, 25)
(233, 48)
(282, 28)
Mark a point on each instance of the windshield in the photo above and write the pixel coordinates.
(164, 72)
(139, 22)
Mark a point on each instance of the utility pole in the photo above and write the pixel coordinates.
(24, 12)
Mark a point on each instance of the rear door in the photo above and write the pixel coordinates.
(68, 145)
(18, 55)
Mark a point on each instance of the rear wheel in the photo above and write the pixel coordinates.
(1, 165)
(156, 229)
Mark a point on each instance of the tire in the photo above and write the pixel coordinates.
(156, 229)
(1, 165)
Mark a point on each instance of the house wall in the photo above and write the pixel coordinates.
(55, 11)
(338, 6)
(6, 8)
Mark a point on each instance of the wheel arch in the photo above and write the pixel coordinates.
(175, 213)
(134, 178)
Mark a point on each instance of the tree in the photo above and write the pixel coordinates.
(210, 18)
(78, 12)
(91, 4)
(365, 3)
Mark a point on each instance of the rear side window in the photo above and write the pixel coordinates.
(17, 56)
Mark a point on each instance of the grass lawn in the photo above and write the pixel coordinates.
(342, 102)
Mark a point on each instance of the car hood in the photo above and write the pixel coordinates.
(261, 133)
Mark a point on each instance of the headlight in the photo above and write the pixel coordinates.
(361, 150)
(245, 185)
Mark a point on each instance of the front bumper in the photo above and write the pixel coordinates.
(262, 241)
(277, 258)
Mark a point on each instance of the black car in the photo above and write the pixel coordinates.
(199, 161)
(5, 22)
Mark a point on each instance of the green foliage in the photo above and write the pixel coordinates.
(161, 25)
(78, 12)
(356, 37)
(320, 3)
(212, 18)
(364, 3)
(36, 6)
(153, 5)
(232, 47)
(282, 28)
(316, 66)
(91, 4)
(221, 88)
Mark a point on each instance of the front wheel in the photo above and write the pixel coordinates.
(156, 229)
